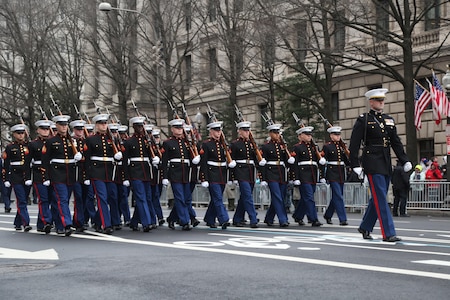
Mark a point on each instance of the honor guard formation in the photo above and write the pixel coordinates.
(98, 165)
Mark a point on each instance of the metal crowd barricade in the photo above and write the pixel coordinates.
(429, 195)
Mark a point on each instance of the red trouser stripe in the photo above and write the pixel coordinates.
(375, 201)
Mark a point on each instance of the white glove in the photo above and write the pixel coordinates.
(359, 172)
(235, 182)
(205, 184)
(165, 181)
(264, 183)
(297, 182)
(7, 184)
(78, 156)
(229, 182)
(232, 164)
(126, 183)
(322, 161)
(323, 180)
(291, 160)
(407, 167)
(118, 155)
(263, 162)
(87, 182)
(155, 161)
(28, 182)
(196, 160)
(46, 183)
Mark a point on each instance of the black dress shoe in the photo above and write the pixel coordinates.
(238, 224)
(284, 224)
(343, 223)
(392, 239)
(108, 230)
(316, 224)
(79, 230)
(328, 220)
(186, 227)
(161, 222)
(146, 228)
(195, 222)
(60, 231)
(270, 224)
(404, 216)
(225, 225)
(127, 224)
(68, 231)
(98, 228)
(153, 226)
(212, 225)
(366, 235)
(47, 228)
(171, 225)
(8, 210)
(254, 225)
(27, 228)
(134, 228)
(117, 227)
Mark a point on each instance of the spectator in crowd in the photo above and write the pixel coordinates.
(417, 188)
(433, 174)
(400, 189)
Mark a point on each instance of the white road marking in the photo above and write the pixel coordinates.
(49, 254)
(433, 262)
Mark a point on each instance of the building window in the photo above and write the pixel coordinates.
(432, 17)
(188, 66)
(339, 36)
(212, 56)
(335, 105)
(263, 112)
(301, 40)
(212, 10)
(238, 6)
(426, 148)
(382, 19)
(188, 15)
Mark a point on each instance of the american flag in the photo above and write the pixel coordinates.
(422, 98)
(439, 99)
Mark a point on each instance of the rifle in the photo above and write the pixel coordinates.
(44, 116)
(147, 137)
(341, 142)
(108, 131)
(152, 138)
(27, 134)
(69, 136)
(86, 133)
(192, 139)
(301, 125)
(283, 143)
(250, 136)
(213, 117)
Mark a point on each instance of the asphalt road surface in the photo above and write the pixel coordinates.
(330, 262)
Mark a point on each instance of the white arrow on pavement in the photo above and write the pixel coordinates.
(49, 254)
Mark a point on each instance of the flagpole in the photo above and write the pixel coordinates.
(446, 84)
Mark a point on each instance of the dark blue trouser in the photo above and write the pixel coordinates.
(44, 213)
(336, 202)
(142, 193)
(277, 194)
(216, 208)
(308, 206)
(22, 217)
(62, 194)
(245, 203)
(103, 191)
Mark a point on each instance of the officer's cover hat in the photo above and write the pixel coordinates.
(61, 119)
(137, 120)
(89, 127)
(122, 128)
(77, 123)
(177, 123)
(214, 125)
(148, 127)
(274, 127)
(100, 118)
(19, 127)
(306, 130)
(244, 124)
(334, 129)
(376, 94)
(156, 131)
(113, 127)
(43, 123)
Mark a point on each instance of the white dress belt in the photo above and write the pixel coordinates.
(180, 160)
(275, 163)
(16, 163)
(216, 163)
(245, 161)
(62, 161)
(102, 158)
(140, 159)
(336, 163)
(37, 163)
(309, 163)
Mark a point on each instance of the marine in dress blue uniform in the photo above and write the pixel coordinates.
(156, 213)
(243, 153)
(213, 175)
(176, 169)
(59, 160)
(17, 174)
(43, 193)
(335, 175)
(6, 192)
(306, 175)
(138, 174)
(123, 192)
(377, 132)
(274, 168)
(99, 159)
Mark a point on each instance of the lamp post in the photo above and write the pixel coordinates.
(446, 83)
(198, 119)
